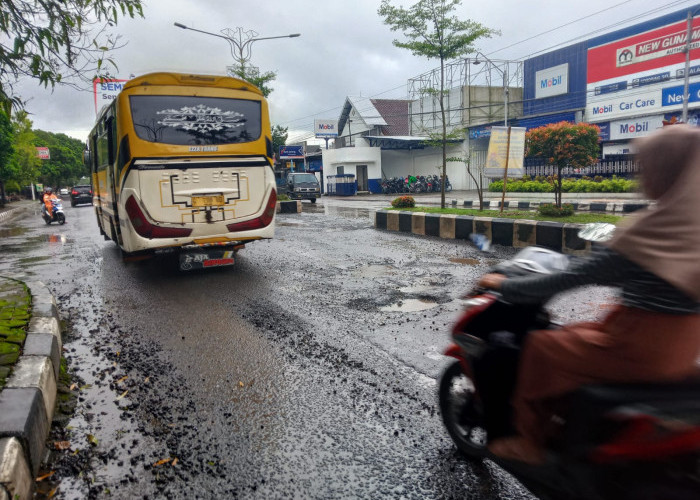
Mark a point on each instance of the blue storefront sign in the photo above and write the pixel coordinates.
(604, 133)
(611, 87)
(289, 152)
(651, 79)
(673, 96)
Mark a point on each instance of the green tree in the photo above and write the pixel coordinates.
(26, 160)
(7, 151)
(253, 75)
(57, 41)
(66, 164)
(279, 138)
(563, 145)
(431, 31)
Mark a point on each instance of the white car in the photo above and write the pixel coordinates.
(64, 192)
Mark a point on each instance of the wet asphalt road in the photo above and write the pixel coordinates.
(307, 370)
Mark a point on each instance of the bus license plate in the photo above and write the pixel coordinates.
(208, 201)
(203, 260)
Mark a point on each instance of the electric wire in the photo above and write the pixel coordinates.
(656, 10)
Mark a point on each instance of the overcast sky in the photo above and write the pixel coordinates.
(344, 49)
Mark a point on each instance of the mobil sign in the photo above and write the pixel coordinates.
(326, 128)
(552, 81)
(637, 127)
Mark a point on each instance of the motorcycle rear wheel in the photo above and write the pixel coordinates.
(61, 218)
(461, 413)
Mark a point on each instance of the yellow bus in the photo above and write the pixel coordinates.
(182, 164)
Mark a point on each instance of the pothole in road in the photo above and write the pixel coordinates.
(410, 305)
(373, 271)
(465, 261)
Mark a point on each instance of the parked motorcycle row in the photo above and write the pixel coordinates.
(416, 184)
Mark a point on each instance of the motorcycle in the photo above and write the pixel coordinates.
(57, 214)
(638, 441)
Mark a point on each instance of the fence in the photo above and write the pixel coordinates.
(623, 167)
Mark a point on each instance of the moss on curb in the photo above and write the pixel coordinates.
(15, 312)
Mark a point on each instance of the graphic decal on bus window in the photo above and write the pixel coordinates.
(195, 120)
(201, 118)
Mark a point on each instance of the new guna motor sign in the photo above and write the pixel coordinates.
(552, 81)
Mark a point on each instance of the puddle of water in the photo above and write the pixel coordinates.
(13, 231)
(416, 289)
(30, 260)
(468, 262)
(410, 305)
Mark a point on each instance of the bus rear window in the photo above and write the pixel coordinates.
(192, 120)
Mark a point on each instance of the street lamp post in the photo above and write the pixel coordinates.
(240, 41)
(504, 73)
(686, 72)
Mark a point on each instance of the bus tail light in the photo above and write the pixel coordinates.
(259, 222)
(144, 228)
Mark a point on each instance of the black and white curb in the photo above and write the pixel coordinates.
(289, 207)
(28, 399)
(620, 208)
(508, 232)
(7, 214)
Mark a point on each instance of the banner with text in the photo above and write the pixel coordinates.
(506, 146)
(106, 90)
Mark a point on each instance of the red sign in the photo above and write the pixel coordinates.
(43, 153)
(647, 51)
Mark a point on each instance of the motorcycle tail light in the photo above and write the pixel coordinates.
(148, 230)
(259, 222)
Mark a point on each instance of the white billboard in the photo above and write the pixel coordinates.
(552, 81)
(326, 128)
(637, 127)
(106, 90)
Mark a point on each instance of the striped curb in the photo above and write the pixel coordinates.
(507, 232)
(28, 399)
(613, 207)
(9, 213)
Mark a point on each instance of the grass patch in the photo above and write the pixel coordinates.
(580, 218)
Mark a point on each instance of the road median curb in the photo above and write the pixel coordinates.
(562, 237)
(28, 399)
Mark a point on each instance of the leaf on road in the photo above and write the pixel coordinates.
(41, 478)
(123, 394)
(174, 462)
(122, 379)
(73, 386)
(145, 381)
(92, 439)
(163, 461)
(61, 445)
(241, 384)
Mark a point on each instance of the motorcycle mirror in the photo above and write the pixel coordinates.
(597, 231)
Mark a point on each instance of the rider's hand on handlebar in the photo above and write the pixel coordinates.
(492, 281)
